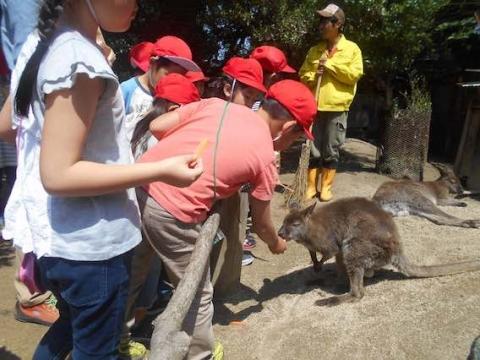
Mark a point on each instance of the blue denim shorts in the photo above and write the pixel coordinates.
(91, 300)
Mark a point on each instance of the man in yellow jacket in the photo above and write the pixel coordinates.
(331, 69)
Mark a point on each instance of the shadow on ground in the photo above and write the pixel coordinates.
(298, 282)
(349, 162)
(5, 354)
(7, 255)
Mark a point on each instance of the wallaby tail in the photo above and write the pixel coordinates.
(412, 270)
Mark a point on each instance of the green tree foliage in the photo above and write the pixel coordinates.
(390, 33)
(157, 18)
(453, 34)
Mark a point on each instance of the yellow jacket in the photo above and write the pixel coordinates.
(339, 80)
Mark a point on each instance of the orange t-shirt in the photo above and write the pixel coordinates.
(244, 155)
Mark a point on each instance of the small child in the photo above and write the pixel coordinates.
(241, 82)
(198, 79)
(169, 54)
(171, 92)
(274, 64)
(242, 153)
(83, 222)
(140, 56)
(275, 68)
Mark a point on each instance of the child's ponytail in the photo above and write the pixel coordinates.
(50, 12)
(160, 107)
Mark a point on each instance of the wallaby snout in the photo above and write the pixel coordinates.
(282, 232)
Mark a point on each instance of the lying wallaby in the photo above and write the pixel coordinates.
(408, 197)
(363, 238)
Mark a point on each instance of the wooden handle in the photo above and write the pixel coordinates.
(317, 90)
(323, 58)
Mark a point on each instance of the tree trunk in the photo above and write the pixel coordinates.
(169, 341)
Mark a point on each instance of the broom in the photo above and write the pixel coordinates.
(296, 195)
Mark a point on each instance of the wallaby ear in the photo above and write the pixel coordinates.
(293, 205)
(309, 210)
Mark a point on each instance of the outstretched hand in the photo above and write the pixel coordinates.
(279, 247)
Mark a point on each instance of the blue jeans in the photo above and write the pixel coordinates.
(91, 301)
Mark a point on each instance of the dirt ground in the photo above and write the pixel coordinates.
(274, 315)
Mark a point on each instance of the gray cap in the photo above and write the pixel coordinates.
(333, 10)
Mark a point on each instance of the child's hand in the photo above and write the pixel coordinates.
(279, 247)
(181, 171)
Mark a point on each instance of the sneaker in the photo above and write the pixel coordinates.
(249, 243)
(42, 314)
(247, 259)
(132, 350)
(143, 332)
(217, 351)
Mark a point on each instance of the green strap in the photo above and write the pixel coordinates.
(215, 151)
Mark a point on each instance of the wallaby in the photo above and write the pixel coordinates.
(362, 237)
(408, 197)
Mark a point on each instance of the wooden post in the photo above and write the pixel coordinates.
(226, 261)
(467, 137)
(169, 341)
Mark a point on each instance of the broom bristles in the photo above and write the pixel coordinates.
(297, 195)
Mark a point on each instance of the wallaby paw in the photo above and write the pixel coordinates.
(461, 204)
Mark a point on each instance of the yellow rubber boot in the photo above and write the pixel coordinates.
(312, 180)
(327, 182)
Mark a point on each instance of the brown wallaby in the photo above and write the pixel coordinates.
(408, 197)
(362, 237)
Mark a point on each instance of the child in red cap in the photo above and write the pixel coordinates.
(275, 68)
(274, 63)
(241, 82)
(140, 56)
(171, 92)
(172, 217)
(169, 54)
(198, 79)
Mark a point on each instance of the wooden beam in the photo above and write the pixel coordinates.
(462, 152)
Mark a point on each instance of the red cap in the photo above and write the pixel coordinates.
(177, 89)
(176, 50)
(298, 100)
(247, 71)
(140, 55)
(272, 59)
(195, 76)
